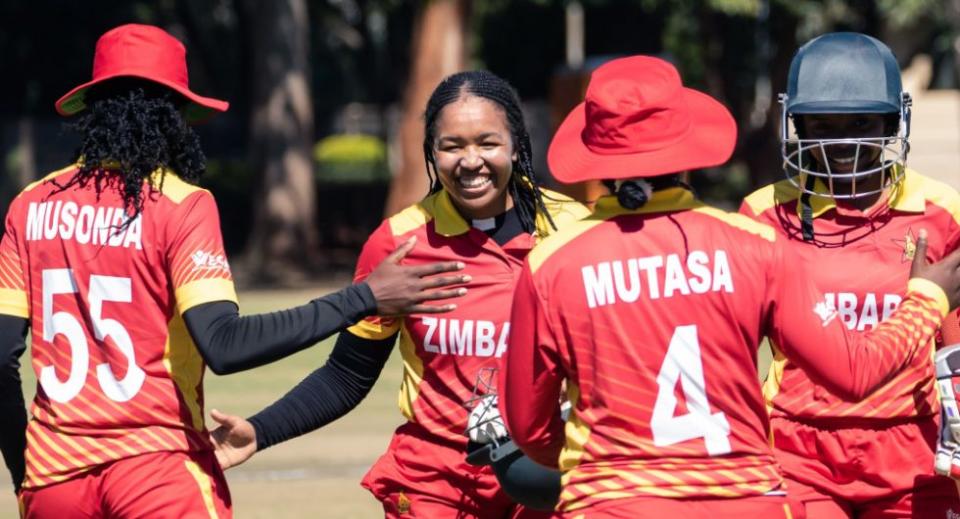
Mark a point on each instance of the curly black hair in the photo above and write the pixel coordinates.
(523, 187)
(130, 129)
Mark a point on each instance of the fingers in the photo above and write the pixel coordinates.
(445, 281)
(953, 259)
(401, 251)
(442, 294)
(221, 418)
(436, 268)
(919, 253)
(429, 309)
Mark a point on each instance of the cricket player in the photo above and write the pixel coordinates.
(116, 266)
(852, 209)
(485, 210)
(652, 310)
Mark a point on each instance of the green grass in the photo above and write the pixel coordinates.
(320, 471)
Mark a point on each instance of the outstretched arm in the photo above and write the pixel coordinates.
(230, 343)
(325, 395)
(530, 378)
(853, 364)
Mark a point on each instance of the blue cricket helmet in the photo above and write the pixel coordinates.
(844, 72)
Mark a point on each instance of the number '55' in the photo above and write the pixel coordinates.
(102, 288)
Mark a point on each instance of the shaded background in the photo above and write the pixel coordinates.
(323, 139)
(323, 136)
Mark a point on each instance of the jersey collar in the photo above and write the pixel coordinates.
(906, 196)
(447, 220)
(663, 201)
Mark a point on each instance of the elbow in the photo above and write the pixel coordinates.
(220, 367)
(849, 388)
(542, 451)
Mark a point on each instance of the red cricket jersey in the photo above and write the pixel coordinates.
(859, 261)
(442, 354)
(118, 374)
(653, 317)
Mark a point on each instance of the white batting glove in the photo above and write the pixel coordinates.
(947, 364)
(485, 424)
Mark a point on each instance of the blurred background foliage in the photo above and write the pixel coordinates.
(358, 63)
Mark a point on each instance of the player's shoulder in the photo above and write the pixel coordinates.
(562, 209)
(738, 222)
(411, 218)
(934, 192)
(551, 245)
(771, 195)
(173, 188)
(54, 175)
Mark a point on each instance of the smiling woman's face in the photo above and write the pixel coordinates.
(844, 157)
(474, 155)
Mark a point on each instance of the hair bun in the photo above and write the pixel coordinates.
(633, 194)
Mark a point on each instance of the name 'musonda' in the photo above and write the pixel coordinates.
(83, 224)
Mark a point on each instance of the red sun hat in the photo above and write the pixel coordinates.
(638, 120)
(146, 52)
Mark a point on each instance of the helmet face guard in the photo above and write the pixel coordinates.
(800, 167)
(844, 73)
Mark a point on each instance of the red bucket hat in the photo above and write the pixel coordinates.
(145, 52)
(638, 120)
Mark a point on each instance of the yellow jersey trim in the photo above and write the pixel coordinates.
(412, 375)
(577, 433)
(206, 486)
(938, 194)
(173, 187)
(562, 209)
(932, 290)
(185, 367)
(739, 221)
(204, 291)
(375, 330)
(771, 386)
(50, 176)
(14, 302)
(667, 200)
(449, 222)
(411, 218)
(909, 196)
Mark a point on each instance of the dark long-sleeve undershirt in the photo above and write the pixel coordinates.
(13, 426)
(326, 394)
(230, 343)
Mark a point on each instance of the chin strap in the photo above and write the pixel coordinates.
(806, 210)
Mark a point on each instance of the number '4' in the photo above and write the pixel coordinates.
(102, 288)
(683, 362)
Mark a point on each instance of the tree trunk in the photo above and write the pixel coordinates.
(283, 241)
(439, 49)
(763, 159)
(26, 152)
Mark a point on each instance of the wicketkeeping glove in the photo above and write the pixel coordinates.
(947, 363)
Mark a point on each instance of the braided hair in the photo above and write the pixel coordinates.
(130, 129)
(523, 185)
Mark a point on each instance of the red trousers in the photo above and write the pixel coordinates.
(420, 478)
(175, 485)
(766, 507)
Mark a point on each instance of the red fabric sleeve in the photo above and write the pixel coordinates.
(199, 269)
(379, 245)
(851, 364)
(530, 377)
(13, 292)
(950, 329)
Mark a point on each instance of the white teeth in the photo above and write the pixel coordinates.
(844, 161)
(473, 182)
